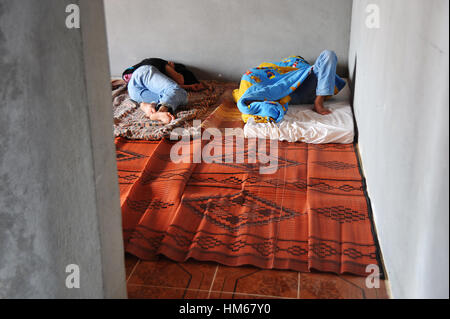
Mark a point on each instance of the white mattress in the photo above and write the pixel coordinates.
(302, 124)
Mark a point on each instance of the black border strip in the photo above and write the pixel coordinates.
(370, 213)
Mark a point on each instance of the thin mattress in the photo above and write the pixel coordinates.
(302, 124)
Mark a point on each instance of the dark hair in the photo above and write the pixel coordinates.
(136, 66)
(127, 71)
(189, 77)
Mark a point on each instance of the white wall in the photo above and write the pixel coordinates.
(401, 75)
(59, 191)
(223, 38)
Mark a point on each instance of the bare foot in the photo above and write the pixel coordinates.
(148, 108)
(322, 110)
(318, 106)
(164, 117)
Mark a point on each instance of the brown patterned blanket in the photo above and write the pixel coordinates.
(131, 122)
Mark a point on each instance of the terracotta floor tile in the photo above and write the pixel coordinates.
(146, 292)
(166, 273)
(153, 292)
(166, 279)
(255, 281)
(369, 293)
(196, 294)
(330, 286)
(230, 295)
(130, 262)
(248, 296)
(379, 293)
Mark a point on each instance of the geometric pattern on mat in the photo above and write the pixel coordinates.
(260, 211)
(127, 156)
(312, 213)
(306, 216)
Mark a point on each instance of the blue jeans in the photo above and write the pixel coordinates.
(319, 82)
(148, 84)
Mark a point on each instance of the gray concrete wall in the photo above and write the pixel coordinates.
(401, 75)
(59, 190)
(221, 39)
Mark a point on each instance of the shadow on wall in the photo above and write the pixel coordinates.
(352, 85)
(203, 74)
(207, 74)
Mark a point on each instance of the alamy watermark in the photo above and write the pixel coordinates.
(373, 279)
(73, 17)
(373, 16)
(228, 146)
(73, 277)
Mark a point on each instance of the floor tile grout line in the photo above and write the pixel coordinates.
(210, 290)
(215, 291)
(167, 287)
(132, 271)
(212, 282)
(256, 295)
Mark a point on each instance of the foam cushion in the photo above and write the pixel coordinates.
(302, 124)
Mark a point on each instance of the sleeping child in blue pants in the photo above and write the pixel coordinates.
(159, 87)
(319, 84)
